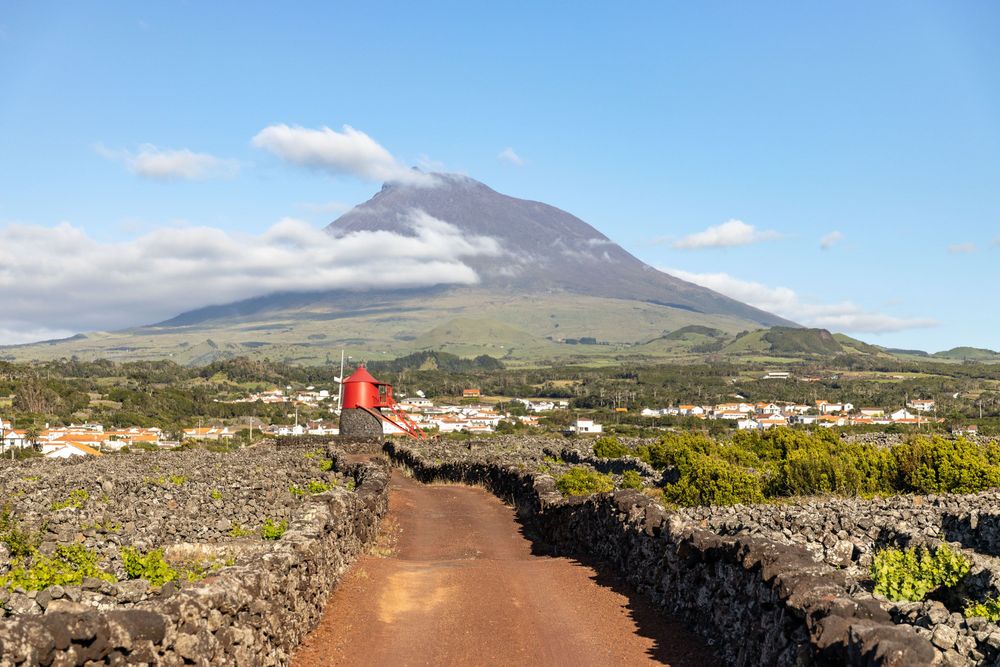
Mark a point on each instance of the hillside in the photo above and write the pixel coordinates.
(968, 354)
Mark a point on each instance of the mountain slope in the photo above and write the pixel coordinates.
(547, 248)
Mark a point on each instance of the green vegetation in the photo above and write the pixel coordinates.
(326, 465)
(273, 531)
(215, 494)
(910, 574)
(752, 466)
(316, 486)
(988, 609)
(312, 487)
(104, 527)
(583, 482)
(150, 566)
(178, 480)
(69, 565)
(154, 568)
(75, 500)
(239, 531)
(20, 543)
(631, 480)
(608, 447)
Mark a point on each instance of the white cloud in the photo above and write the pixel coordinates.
(728, 234)
(161, 164)
(348, 152)
(58, 279)
(962, 248)
(508, 155)
(830, 240)
(844, 316)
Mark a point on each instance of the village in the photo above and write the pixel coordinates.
(763, 415)
(471, 416)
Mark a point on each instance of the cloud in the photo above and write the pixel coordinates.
(728, 234)
(508, 155)
(962, 248)
(830, 240)
(59, 279)
(350, 152)
(844, 316)
(161, 164)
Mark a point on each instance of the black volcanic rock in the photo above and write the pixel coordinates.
(547, 249)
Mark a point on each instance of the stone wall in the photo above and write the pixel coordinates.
(254, 612)
(759, 601)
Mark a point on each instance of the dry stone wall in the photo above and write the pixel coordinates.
(252, 611)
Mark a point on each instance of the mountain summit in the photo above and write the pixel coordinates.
(546, 249)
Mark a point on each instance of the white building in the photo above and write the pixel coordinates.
(586, 426)
(921, 405)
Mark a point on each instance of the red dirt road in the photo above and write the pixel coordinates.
(456, 583)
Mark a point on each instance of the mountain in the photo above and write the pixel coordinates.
(556, 289)
(547, 249)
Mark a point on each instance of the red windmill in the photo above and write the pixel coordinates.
(364, 395)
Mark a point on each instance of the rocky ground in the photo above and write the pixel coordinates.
(205, 510)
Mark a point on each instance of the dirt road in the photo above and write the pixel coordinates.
(456, 583)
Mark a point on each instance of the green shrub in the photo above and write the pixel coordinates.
(20, 543)
(75, 500)
(273, 531)
(583, 482)
(178, 480)
(608, 447)
(937, 465)
(239, 531)
(150, 566)
(296, 490)
(326, 465)
(68, 566)
(988, 609)
(316, 486)
(154, 568)
(912, 573)
(631, 480)
(707, 480)
(216, 494)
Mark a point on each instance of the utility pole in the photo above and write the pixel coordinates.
(340, 383)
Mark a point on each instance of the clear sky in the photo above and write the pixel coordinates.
(837, 163)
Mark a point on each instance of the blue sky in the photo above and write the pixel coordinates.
(873, 125)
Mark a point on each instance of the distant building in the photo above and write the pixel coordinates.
(211, 433)
(777, 375)
(471, 393)
(921, 405)
(56, 450)
(586, 426)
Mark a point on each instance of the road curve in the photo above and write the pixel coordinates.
(456, 583)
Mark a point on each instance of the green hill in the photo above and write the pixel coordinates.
(968, 354)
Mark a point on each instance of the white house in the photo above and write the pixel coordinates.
(921, 405)
(586, 426)
(746, 425)
(68, 449)
(901, 415)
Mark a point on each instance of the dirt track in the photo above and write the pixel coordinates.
(456, 583)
